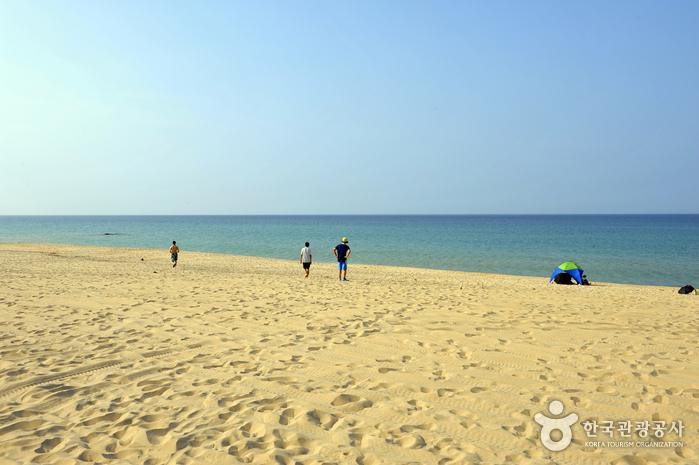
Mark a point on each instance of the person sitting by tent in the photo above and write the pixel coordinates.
(585, 281)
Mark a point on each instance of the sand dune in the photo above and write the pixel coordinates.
(113, 356)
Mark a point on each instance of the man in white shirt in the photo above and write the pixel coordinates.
(306, 259)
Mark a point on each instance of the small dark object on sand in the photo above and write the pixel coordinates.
(688, 289)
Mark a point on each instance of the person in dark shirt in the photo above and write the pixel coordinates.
(342, 251)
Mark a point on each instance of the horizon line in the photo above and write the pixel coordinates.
(345, 215)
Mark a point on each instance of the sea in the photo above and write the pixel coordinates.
(656, 250)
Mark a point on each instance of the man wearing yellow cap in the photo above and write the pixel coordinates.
(342, 251)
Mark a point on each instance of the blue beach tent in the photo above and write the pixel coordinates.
(572, 269)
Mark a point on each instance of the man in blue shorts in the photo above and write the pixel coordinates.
(174, 250)
(342, 251)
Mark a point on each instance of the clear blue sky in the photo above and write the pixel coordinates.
(389, 107)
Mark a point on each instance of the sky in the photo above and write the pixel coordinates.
(362, 107)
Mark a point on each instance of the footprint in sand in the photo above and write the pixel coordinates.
(48, 445)
(154, 418)
(350, 403)
(22, 425)
(90, 456)
(417, 405)
(522, 430)
(158, 436)
(413, 441)
(382, 386)
(110, 417)
(607, 390)
(253, 430)
(423, 426)
(325, 420)
(290, 415)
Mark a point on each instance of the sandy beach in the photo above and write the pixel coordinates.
(112, 356)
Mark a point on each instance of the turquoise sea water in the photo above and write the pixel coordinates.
(658, 250)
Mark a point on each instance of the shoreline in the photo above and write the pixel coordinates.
(324, 264)
(105, 357)
(611, 248)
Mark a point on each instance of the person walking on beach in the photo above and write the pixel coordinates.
(306, 259)
(342, 251)
(174, 250)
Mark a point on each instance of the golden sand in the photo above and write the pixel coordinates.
(112, 356)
